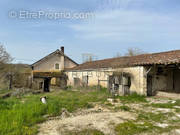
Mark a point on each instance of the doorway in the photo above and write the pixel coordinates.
(149, 86)
(176, 78)
(47, 84)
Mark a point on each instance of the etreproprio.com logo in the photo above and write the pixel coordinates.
(24, 14)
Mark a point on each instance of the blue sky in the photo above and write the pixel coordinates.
(151, 25)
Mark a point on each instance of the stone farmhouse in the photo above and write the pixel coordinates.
(144, 74)
(49, 70)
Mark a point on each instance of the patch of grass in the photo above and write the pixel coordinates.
(145, 123)
(85, 132)
(163, 105)
(123, 108)
(177, 103)
(19, 116)
(178, 110)
(5, 91)
(132, 128)
(109, 104)
(152, 117)
(89, 88)
(133, 98)
(166, 105)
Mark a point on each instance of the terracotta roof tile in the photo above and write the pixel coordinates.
(171, 57)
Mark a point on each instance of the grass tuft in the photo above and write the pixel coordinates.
(133, 98)
(152, 117)
(123, 108)
(162, 105)
(132, 128)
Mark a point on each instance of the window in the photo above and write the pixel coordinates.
(56, 66)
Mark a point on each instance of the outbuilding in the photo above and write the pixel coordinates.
(144, 74)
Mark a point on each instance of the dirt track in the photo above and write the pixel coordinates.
(102, 121)
(104, 118)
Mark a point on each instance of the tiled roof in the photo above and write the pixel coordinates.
(51, 54)
(171, 57)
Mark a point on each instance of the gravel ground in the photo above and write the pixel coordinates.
(100, 118)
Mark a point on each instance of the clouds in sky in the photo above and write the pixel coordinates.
(152, 25)
(129, 25)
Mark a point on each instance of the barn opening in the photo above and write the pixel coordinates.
(47, 84)
(43, 80)
(165, 78)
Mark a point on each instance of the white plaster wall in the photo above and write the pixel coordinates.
(93, 77)
(138, 79)
(68, 63)
(49, 63)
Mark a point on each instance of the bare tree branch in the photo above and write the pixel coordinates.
(133, 52)
(4, 55)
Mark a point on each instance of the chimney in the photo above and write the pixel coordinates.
(62, 49)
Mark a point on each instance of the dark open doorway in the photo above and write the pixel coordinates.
(149, 86)
(176, 78)
(47, 84)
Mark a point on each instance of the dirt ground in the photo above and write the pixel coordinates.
(104, 117)
(96, 118)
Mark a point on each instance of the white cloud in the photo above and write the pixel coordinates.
(129, 25)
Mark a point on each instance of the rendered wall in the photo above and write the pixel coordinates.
(138, 79)
(49, 63)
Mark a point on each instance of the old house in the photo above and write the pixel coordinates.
(49, 70)
(144, 74)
